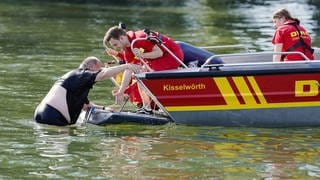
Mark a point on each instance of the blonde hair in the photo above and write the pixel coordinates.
(283, 12)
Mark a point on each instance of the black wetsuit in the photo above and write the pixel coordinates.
(78, 84)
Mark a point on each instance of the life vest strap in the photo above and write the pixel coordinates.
(298, 44)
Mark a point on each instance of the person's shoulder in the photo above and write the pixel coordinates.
(302, 28)
(135, 34)
(140, 34)
(285, 27)
(130, 35)
(87, 73)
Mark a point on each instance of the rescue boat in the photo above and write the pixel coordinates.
(248, 89)
(239, 89)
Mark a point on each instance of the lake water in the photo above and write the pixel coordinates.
(41, 40)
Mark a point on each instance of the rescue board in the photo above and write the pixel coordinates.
(101, 118)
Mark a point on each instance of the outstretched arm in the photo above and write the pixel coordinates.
(112, 71)
(126, 80)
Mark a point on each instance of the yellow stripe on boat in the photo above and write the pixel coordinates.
(257, 90)
(226, 91)
(230, 96)
(244, 91)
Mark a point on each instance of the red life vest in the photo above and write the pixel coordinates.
(290, 35)
(164, 62)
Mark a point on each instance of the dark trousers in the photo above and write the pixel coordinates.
(198, 55)
(47, 114)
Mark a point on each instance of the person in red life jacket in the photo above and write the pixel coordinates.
(155, 56)
(290, 36)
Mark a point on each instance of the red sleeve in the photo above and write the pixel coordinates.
(129, 56)
(146, 45)
(278, 37)
(121, 56)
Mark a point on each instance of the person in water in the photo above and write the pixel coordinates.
(69, 94)
(290, 36)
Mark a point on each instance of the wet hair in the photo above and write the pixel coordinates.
(89, 62)
(283, 12)
(114, 32)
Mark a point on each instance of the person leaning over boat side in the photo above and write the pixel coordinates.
(290, 36)
(154, 55)
(69, 94)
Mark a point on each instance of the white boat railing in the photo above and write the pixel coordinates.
(243, 56)
(240, 46)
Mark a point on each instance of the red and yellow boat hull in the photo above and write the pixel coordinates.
(271, 97)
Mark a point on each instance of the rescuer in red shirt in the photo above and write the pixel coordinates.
(154, 55)
(290, 36)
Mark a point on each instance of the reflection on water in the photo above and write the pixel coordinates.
(52, 142)
(123, 157)
(39, 41)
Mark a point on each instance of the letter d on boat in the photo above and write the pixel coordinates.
(306, 88)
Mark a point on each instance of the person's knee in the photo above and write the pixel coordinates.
(213, 60)
(183, 45)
